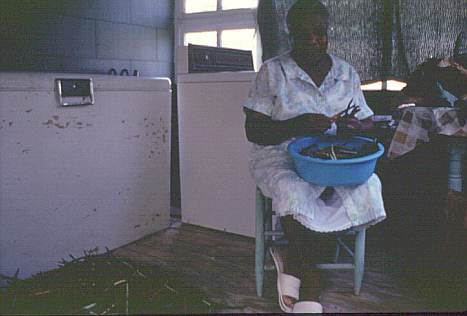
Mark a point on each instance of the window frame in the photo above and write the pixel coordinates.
(180, 9)
(206, 21)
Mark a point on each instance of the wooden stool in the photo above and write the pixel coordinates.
(264, 240)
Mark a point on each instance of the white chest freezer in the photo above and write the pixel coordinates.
(73, 178)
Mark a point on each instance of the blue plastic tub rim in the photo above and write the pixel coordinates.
(293, 150)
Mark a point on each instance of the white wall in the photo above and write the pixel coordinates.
(87, 36)
(217, 190)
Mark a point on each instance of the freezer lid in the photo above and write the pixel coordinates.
(44, 81)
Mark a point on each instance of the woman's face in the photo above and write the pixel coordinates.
(311, 36)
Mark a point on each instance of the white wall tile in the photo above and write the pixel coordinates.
(87, 35)
(107, 10)
(76, 37)
(157, 13)
(81, 8)
(113, 40)
(153, 69)
(121, 41)
(27, 61)
(93, 65)
(30, 33)
(111, 10)
(165, 45)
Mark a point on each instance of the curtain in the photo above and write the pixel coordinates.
(380, 38)
(356, 34)
(268, 26)
(427, 28)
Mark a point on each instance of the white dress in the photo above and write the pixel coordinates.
(282, 90)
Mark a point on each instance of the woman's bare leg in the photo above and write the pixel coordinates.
(303, 250)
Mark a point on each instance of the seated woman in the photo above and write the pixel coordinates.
(298, 94)
(438, 82)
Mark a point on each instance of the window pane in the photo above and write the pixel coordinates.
(239, 39)
(395, 85)
(201, 38)
(238, 4)
(194, 6)
(374, 86)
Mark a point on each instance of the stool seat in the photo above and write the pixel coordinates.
(264, 240)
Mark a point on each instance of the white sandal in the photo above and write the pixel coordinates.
(307, 307)
(287, 285)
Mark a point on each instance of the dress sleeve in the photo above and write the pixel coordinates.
(261, 98)
(359, 98)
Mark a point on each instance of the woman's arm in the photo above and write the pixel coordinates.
(262, 130)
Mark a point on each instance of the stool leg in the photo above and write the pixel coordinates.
(268, 239)
(359, 260)
(336, 254)
(259, 247)
(267, 218)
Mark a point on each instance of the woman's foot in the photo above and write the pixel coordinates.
(311, 279)
(307, 307)
(290, 270)
(288, 285)
(310, 292)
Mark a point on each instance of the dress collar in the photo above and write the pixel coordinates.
(293, 70)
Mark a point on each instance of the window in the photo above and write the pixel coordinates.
(201, 38)
(218, 23)
(238, 38)
(196, 6)
(392, 85)
(238, 4)
(235, 38)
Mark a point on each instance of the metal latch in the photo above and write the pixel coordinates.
(74, 92)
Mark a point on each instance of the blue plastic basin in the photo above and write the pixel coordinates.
(351, 171)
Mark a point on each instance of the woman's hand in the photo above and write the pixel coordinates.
(351, 123)
(311, 123)
(351, 126)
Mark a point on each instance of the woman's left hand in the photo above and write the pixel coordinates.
(351, 123)
(351, 126)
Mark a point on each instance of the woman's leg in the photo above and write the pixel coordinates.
(304, 249)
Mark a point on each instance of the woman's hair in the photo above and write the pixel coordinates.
(302, 10)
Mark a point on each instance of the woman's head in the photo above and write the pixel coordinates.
(307, 21)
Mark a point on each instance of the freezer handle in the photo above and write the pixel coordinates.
(74, 92)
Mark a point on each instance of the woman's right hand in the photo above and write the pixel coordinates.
(311, 123)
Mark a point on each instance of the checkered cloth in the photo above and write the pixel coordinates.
(417, 123)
